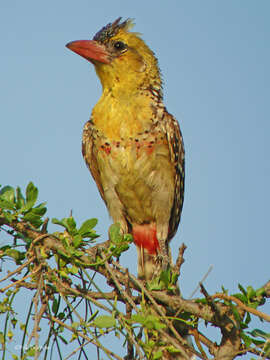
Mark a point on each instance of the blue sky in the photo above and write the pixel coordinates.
(214, 57)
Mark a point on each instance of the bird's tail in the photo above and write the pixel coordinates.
(147, 264)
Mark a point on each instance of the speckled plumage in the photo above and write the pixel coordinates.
(134, 147)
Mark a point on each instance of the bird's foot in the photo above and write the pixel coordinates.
(163, 257)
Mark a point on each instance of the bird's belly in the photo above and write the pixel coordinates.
(136, 173)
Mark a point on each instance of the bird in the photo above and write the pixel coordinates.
(132, 145)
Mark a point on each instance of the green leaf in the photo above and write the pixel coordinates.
(31, 195)
(119, 243)
(149, 321)
(104, 321)
(14, 322)
(92, 317)
(248, 318)
(241, 288)
(260, 333)
(55, 306)
(172, 349)
(155, 284)
(31, 351)
(166, 280)
(9, 217)
(258, 342)
(241, 297)
(117, 250)
(158, 325)
(33, 219)
(158, 355)
(20, 201)
(250, 292)
(58, 222)
(15, 254)
(61, 315)
(71, 224)
(40, 209)
(68, 223)
(7, 193)
(260, 292)
(87, 226)
(235, 313)
(73, 337)
(63, 273)
(6, 205)
(225, 291)
(267, 349)
(165, 277)
(73, 270)
(2, 338)
(128, 238)
(138, 318)
(63, 339)
(77, 240)
(247, 339)
(174, 278)
(114, 233)
(78, 253)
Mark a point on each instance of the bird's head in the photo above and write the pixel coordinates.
(121, 58)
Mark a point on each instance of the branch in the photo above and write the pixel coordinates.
(267, 289)
(242, 305)
(79, 333)
(160, 303)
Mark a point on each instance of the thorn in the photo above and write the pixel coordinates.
(44, 226)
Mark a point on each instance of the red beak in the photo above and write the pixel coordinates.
(90, 50)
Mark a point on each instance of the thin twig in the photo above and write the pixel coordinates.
(210, 302)
(37, 239)
(18, 270)
(132, 304)
(161, 312)
(157, 308)
(253, 351)
(60, 285)
(120, 288)
(264, 347)
(180, 259)
(203, 279)
(76, 350)
(182, 349)
(82, 335)
(73, 310)
(16, 283)
(242, 305)
(130, 350)
(37, 318)
(196, 336)
(212, 347)
(44, 226)
(267, 289)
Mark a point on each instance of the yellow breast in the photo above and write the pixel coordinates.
(122, 116)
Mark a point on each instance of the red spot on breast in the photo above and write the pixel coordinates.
(149, 149)
(145, 236)
(106, 148)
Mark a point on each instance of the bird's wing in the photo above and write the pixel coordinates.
(89, 156)
(177, 153)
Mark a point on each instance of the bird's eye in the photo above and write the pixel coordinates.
(119, 46)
